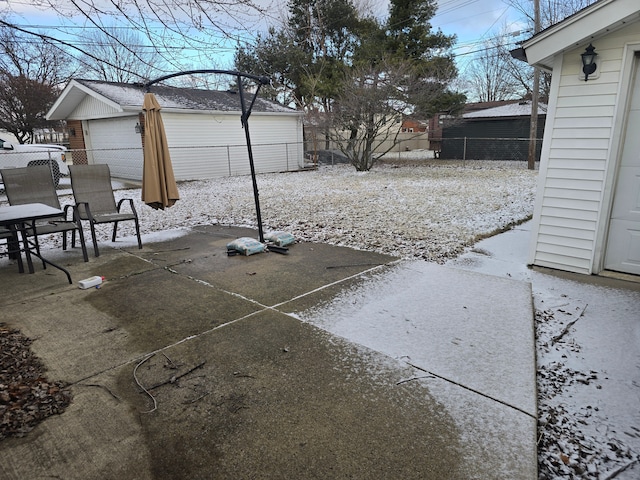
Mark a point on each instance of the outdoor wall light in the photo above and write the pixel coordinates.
(589, 61)
(139, 128)
(72, 132)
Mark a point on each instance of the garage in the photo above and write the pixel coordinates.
(203, 128)
(587, 213)
(623, 245)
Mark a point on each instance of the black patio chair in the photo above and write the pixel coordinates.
(95, 202)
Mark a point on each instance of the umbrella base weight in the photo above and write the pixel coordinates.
(245, 246)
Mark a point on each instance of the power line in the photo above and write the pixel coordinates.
(223, 41)
(453, 7)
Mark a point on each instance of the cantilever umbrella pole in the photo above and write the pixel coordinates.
(245, 125)
(246, 112)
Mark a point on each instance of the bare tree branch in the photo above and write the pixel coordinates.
(199, 27)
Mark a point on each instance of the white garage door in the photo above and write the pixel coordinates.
(623, 246)
(114, 142)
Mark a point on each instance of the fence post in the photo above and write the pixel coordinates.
(464, 152)
(229, 159)
(286, 151)
(50, 165)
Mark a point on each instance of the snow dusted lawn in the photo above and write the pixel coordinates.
(412, 211)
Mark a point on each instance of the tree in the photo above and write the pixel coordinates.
(367, 112)
(129, 60)
(34, 59)
(277, 56)
(23, 105)
(306, 57)
(409, 32)
(491, 76)
(31, 74)
(551, 11)
(306, 54)
(373, 101)
(412, 77)
(348, 72)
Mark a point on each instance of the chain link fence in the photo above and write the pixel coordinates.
(470, 148)
(464, 149)
(199, 162)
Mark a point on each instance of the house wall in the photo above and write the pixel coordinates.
(579, 155)
(202, 145)
(413, 126)
(210, 146)
(115, 142)
(91, 107)
(405, 141)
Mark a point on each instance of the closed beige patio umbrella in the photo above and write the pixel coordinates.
(159, 189)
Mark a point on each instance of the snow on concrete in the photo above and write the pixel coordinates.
(447, 322)
(588, 361)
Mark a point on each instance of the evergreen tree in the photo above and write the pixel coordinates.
(357, 76)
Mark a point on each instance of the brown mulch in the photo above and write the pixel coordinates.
(27, 397)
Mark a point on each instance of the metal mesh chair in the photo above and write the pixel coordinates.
(35, 185)
(93, 192)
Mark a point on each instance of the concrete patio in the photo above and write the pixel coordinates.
(244, 382)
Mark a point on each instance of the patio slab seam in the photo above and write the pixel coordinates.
(251, 300)
(274, 308)
(143, 357)
(473, 390)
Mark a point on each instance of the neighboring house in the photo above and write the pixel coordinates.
(438, 120)
(497, 133)
(411, 125)
(587, 212)
(203, 128)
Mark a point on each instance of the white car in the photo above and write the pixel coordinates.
(14, 155)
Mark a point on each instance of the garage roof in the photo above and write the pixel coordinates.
(125, 97)
(579, 29)
(520, 109)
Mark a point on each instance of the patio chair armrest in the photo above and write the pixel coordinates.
(130, 200)
(66, 211)
(87, 210)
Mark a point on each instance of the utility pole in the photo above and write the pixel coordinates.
(535, 94)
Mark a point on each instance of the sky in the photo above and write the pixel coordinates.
(472, 21)
(476, 21)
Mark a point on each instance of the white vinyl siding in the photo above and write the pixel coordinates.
(115, 142)
(206, 138)
(577, 154)
(91, 107)
(206, 146)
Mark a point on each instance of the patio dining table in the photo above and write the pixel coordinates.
(18, 219)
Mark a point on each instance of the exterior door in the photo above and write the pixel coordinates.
(623, 245)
